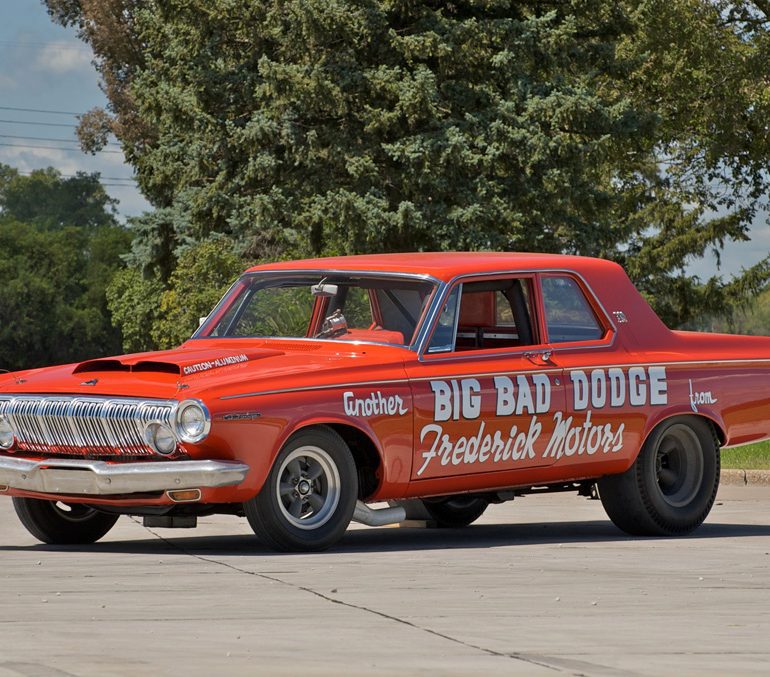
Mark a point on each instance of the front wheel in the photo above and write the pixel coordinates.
(452, 512)
(58, 523)
(672, 485)
(308, 499)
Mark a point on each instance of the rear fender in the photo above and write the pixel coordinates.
(704, 413)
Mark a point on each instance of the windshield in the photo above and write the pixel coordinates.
(340, 306)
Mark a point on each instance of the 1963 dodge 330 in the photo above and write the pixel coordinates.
(439, 383)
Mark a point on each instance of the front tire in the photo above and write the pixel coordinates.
(672, 485)
(453, 512)
(58, 523)
(309, 496)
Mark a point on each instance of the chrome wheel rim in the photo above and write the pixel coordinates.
(679, 466)
(308, 487)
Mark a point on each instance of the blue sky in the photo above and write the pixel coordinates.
(44, 66)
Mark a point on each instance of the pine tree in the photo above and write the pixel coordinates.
(306, 127)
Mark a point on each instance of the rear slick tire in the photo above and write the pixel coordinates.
(59, 523)
(670, 488)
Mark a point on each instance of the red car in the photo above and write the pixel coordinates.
(317, 387)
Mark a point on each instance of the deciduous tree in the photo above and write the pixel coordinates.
(152, 316)
(59, 248)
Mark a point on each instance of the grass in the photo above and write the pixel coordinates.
(749, 457)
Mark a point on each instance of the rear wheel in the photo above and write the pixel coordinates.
(672, 485)
(308, 499)
(455, 511)
(59, 523)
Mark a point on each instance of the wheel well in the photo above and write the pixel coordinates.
(365, 455)
(720, 437)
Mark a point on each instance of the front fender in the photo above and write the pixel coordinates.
(258, 441)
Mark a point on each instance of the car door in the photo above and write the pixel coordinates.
(606, 398)
(484, 388)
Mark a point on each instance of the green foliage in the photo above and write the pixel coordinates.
(53, 307)
(203, 275)
(748, 457)
(49, 201)
(750, 318)
(60, 247)
(703, 69)
(134, 304)
(151, 315)
(277, 311)
(157, 238)
(634, 131)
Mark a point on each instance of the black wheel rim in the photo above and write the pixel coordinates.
(462, 502)
(457, 502)
(679, 466)
(73, 512)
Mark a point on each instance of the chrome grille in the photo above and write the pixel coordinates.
(85, 425)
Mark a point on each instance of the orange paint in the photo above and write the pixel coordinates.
(492, 411)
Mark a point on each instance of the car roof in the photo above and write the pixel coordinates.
(442, 265)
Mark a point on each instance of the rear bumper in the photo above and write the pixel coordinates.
(75, 477)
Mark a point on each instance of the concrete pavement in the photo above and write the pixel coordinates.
(544, 585)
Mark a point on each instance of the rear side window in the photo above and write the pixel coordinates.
(568, 315)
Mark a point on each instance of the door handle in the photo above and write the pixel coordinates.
(539, 356)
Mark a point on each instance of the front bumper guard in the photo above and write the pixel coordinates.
(75, 477)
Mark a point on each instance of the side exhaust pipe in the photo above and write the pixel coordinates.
(378, 517)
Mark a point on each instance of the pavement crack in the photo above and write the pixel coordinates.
(33, 669)
(360, 607)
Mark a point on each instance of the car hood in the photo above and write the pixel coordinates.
(212, 367)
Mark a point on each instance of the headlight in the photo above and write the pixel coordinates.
(160, 438)
(7, 436)
(193, 421)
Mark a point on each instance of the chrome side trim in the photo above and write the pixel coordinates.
(431, 317)
(303, 389)
(81, 477)
(340, 271)
(497, 372)
(502, 353)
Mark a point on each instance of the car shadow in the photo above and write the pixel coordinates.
(404, 539)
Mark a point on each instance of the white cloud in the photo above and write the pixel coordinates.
(27, 159)
(63, 59)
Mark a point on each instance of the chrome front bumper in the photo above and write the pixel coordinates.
(75, 477)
